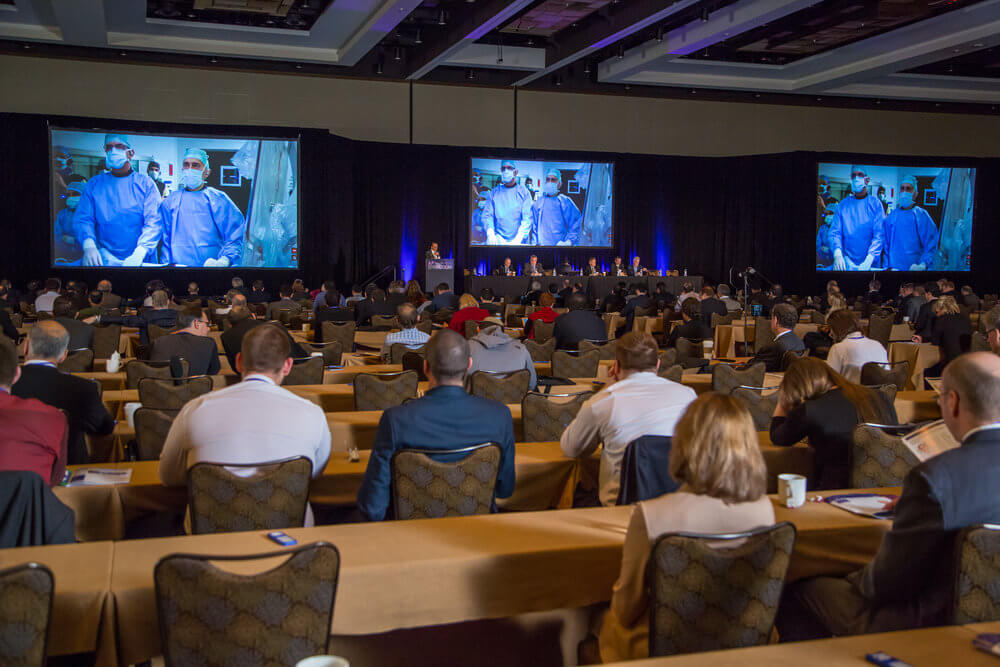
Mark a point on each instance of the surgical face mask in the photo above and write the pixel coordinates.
(155, 175)
(829, 219)
(191, 178)
(507, 175)
(481, 203)
(72, 201)
(859, 184)
(116, 158)
(551, 189)
(905, 199)
(476, 179)
(62, 162)
(881, 196)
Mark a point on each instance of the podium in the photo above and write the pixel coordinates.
(439, 271)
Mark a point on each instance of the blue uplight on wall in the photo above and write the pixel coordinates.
(408, 246)
(662, 245)
(481, 268)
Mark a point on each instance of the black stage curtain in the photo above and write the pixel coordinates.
(365, 206)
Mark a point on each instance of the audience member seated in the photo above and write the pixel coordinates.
(33, 435)
(534, 294)
(409, 335)
(614, 302)
(285, 304)
(356, 295)
(468, 310)
(331, 311)
(991, 325)
(852, 349)
(951, 331)
(443, 298)
(255, 421)
(758, 303)
(687, 292)
(662, 299)
(784, 317)
(486, 302)
(716, 457)
(578, 324)
(78, 398)
(162, 315)
(259, 293)
(923, 326)
(110, 299)
(444, 419)
(710, 304)
(93, 307)
(910, 581)
(545, 313)
(725, 295)
(819, 404)
(374, 303)
(81, 335)
(191, 341)
(693, 328)
(636, 402)
(321, 301)
(396, 293)
(43, 304)
(415, 294)
(7, 326)
(970, 300)
(241, 322)
(493, 350)
(640, 300)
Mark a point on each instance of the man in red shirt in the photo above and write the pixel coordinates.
(32, 434)
(544, 313)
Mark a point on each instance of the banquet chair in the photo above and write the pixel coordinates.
(673, 373)
(277, 617)
(383, 322)
(514, 321)
(106, 340)
(274, 496)
(568, 364)
(26, 593)
(135, 370)
(339, 331)
(501, 386)
(645, 471)
(426, 326)
(690, 353)
(668, 357)
(378, 391)
(332, 351)
(442, 316)
(976, 596)
(887, 395)
(816, 317)
(471, 327)
(878, 456)
(307, 370)
(542, 330)
(161, 394)
(760, 405)
(893, 372)
(540, 352)
(78, 361)
(544, 417)
(414, 361)
(425, 488)
(712, 592)
(762, 334)
(606, 348)
(880, 326)
(154, 331)
(151, 429)
(725, 378)
(397, 350)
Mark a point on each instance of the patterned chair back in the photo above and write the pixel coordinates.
(541, 352)
(544, 419)
(378, 391)
(886, 394)
(542, 330)
(426, 326)
(423, 488)
(719, 319)
(879, 457)
(106, 340)
(151, 428)
(397, 350)
(760, 405)
(763, 335)
(706, 595)
(135, 370)
(275, 496)
(668, 357)
(308, 370)
(160, 394)
(606, 349)
(332, 351)
(673, 373)
(507, 388)
(880, 326)
(154, 331)
(580, 365)
(339, 331)
(976, 596)
(725, 378)
(78, 361)
(689, 352)
(442, 316)
(383, 322)
(26, 593)
(276, 617)
(896, 373)
(471, 327)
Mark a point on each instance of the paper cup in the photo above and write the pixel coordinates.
(708, 348)
(323, 661)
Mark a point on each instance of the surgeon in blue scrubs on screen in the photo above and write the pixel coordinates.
(555, 219)
(858, 228)
(201, 225)
(117, 221)
(507, 214)
(911, 237)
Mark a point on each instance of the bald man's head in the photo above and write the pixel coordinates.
(975, 378)
(47, 341)
(447, 356)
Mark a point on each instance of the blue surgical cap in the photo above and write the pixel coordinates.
(60, 149)
(857, 167)
(555, 172)
(912, 180)
(197, 154)
(77, 186)
(122, 138)
(507, 163)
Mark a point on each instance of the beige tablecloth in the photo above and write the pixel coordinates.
(921, 357)
(728, 335)
(917, 406)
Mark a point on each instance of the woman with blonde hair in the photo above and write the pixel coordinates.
(468, 309)
(951, 331)
(716, 457)
(818, 404)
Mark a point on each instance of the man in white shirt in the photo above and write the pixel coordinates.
(43, 304)
(852, 350)
(638, 402)
(726, 297)
(254, 421)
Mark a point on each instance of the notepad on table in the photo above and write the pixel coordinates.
(100, 477)
(864, 504)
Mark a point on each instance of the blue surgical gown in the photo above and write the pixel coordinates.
(508, 211)
(824, 255)
(858, 229)
(64, 223)
(201, 225)
(555, 219)
(120, 213)
(911, 237)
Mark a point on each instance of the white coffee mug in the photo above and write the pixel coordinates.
(323, 661)
(708, 347)
(130, 409)
(792, 490)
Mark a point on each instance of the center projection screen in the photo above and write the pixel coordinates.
(133, 200)
(889, 218)
(541, 204)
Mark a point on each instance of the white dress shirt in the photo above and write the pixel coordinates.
(849, 355)
(641, 404)
(43, 304)
(252, 422)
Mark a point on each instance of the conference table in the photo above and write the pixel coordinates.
(595, 287)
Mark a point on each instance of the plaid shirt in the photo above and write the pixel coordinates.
(412, 338)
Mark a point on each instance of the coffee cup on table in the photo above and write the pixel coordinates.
(708, 348)
(323, 661)
(791, 490)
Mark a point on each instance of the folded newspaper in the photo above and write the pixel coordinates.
(100, 477)
(930, 440)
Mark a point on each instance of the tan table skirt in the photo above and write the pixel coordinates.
(921, 357)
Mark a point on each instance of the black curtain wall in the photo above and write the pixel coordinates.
(367, 206)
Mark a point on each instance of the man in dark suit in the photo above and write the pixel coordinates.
(330, 312)
(77, 397)
(110, 300)
(81, 335)
(396, 295)
(910, 581)
(640, 300)
(433, 252)
(486, 302)
(533, 267)
(191, 342)
(709, 305)
(578, 324)
(784, 317)
(924, 324)
(618, 268)
(693, 326)
(443, 298)
(259, 293)
(591, 269)
(374, 303)
(162, 315)
(242, 321)
(444, 419)
(530, 298)
(285, 303)
(506, 269)
(636, 268)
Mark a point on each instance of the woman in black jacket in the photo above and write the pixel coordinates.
(951, 331)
